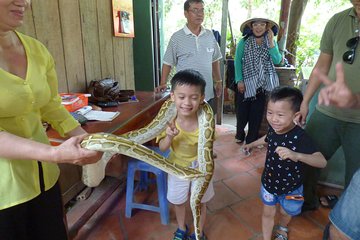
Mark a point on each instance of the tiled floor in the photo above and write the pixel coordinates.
(234, 212)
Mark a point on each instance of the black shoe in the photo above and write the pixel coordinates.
(239, 138)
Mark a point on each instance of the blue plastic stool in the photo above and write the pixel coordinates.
(161, 180)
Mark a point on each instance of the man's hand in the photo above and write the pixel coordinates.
(301, 118)
(336, 93)
(161, 88)
(218, 88)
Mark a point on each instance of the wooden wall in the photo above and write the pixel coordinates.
(79, 35)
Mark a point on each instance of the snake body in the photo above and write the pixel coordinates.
(130, 144)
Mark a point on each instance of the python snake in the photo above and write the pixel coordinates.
(130, 144)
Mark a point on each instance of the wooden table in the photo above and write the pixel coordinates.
(133, 115)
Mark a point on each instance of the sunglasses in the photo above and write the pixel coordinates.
(349, 56)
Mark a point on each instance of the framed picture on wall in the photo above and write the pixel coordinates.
(123, 18)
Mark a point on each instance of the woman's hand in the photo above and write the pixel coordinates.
(71, 152)
(241, 87)
(270, 36)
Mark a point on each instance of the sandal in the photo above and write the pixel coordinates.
(328, 201)
(279, 236)
(326, 233)
(181, 234)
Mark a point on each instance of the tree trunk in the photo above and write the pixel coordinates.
(283, 22)
(249, 11)
(296, 12)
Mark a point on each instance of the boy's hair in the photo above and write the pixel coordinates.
(287, 93)
(188, 77)
(188, 2)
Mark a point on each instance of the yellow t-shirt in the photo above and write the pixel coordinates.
(25, 103)
(184, 147)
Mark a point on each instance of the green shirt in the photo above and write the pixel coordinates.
(25, 103)
(340, 28)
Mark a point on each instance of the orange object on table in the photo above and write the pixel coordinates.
(74, 101)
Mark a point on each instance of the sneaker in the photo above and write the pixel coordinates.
(192, 237)
(181, 234)
(238, 140)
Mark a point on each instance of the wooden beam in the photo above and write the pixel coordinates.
(220, 100)
(283, 23)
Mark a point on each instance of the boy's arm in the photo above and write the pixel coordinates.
(165, 143)
(260, 141)
(315, 160)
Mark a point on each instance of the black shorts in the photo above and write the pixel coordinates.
(41, 218)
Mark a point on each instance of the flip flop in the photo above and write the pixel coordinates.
(328, 201)
(326, 233)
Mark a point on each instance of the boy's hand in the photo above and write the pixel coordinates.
(247, 149)
(286, 153)
(171, 130)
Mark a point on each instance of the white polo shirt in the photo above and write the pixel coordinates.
(188, 51)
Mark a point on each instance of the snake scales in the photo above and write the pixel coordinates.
(130, 144)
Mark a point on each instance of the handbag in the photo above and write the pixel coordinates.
(108, 90)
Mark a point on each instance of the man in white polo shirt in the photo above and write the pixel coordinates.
(194, 47)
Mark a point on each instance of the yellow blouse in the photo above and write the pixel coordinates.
(25, 103)
(184, 147)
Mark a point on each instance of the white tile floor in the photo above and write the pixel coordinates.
(230, 121)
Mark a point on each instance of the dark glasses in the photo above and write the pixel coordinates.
(349, 56)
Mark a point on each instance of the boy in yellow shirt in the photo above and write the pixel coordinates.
(181, 136)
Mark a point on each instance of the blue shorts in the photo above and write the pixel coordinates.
(291, 207)
(346, 214)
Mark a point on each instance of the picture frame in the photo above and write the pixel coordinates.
(123, 18)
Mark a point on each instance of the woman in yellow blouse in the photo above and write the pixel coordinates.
(30, 199)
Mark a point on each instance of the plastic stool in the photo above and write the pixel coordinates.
(161, 180)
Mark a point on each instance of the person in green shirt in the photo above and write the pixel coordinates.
(329, 126)
(345, 217)
(255, 76)
(30, 198)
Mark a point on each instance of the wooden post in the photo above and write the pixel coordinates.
(220, 100)
(283, 23)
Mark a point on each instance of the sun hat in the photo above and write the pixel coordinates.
(245, 28)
